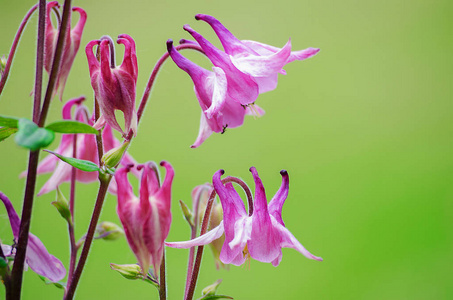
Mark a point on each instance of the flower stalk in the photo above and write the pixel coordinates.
(204, 229)
(12, 52)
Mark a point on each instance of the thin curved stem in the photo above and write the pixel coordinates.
(246, 189)
(72, 241)
(39, 62)
(193, 234)
(204, 228)
(153, 76)
(27, 207)
(56, 62)
(14, 46)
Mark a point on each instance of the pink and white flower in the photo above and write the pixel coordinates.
(260, 236)
(146, 219)
(71, 45)
(115, 87)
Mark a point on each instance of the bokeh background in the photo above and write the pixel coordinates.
(364, 129)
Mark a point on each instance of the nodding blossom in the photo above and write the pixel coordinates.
(219, 110)
(260, 61)
(71, 45)
(260, 236)
(146, 219)
(115, 86)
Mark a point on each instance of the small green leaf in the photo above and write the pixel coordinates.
(6, 132)
(84, 165)
(10, 122)
(69, 126)
(33, 137)
(59, 284)
(3, 263)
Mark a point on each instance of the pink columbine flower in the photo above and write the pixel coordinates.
(86, 149)
(260, 236)
(114, 87)
(146, 219)
(259, 61)
(37, 256)
(219, 110)
(71, 45)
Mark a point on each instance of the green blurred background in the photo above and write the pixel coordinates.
(364, 129)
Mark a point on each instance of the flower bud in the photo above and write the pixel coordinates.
(128, 271)
(186, 212)
(61, 204)
(109, 231)
(211, 289)
(200, 196)
(113, 157)
(3, 60)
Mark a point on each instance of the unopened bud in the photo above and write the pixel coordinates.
(211, 289)
(186, 212)
(61, 204)
(113, 157)
(128, 271)
(108, 231)
(2, 64)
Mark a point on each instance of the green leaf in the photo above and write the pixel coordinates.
(69, 126)
(33, 137)
(59, 284)
(6, 132)
(84, 165)
(10, 122)
(3, 263)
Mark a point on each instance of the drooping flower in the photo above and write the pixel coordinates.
(86, 150)
(146, 219)
(37, 257)
(260, 236)
(115, 87)
(219, 110)
(260, 61)
(71, 45)
(240, 86)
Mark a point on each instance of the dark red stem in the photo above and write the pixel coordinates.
(89, 238)
(72, 240)
(162, 283)
(153, 76)
(56, 62)
(204, 228)
(19, 260)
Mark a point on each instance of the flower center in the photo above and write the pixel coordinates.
(255, 112)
